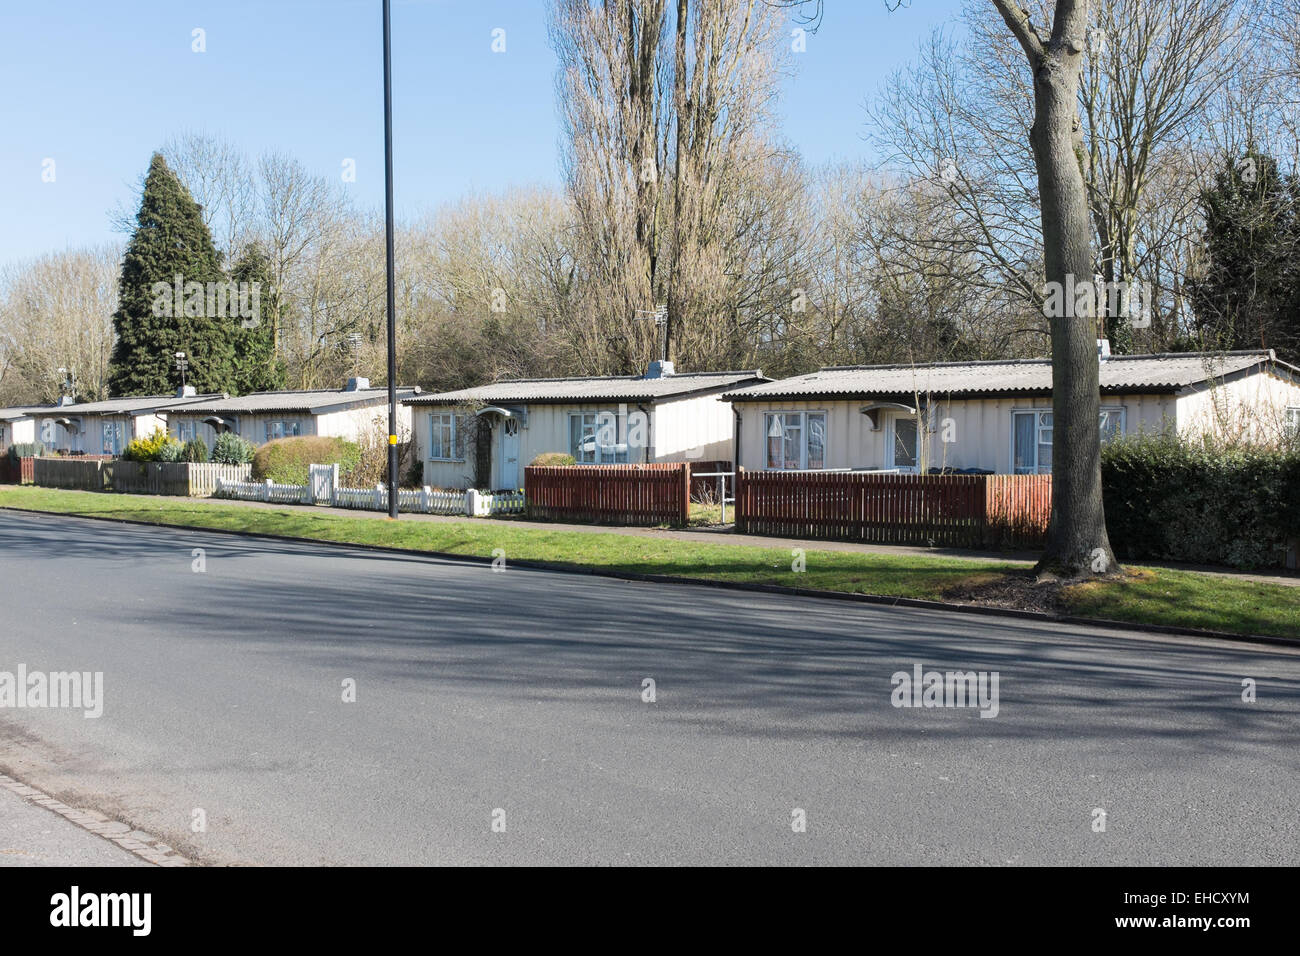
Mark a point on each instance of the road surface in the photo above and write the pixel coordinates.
(516, 698)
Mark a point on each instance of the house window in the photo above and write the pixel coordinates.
(185, 430)
(598, 438)
(1031, 438)
(286, 428)
(795, 440)
(112, 434)
(445, 437)
(1293, 421)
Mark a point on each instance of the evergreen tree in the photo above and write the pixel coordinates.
(1249, 291)
(170, 250)
(256, 367)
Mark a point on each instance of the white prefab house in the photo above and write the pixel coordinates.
(259, 417)
(997, 416)
(496, 430)
(103, 428)
(18, 425)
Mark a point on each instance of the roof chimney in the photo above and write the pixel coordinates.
(356, 384)
(186, 391)
(66, 400)
(659, 369)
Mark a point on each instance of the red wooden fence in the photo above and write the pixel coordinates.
(14, 474)
(968, 511)
(610, 494)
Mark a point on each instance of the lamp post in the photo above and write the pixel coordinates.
(388, 252)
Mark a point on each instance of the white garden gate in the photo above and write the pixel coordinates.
(324, 479)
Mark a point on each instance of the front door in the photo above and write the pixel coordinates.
(902, 441)
(510, 453)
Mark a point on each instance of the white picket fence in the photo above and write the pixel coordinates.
(416, 501)
(263, 491)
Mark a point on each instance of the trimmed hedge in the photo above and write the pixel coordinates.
(285, 460)
(553, 459)
(1172, 501)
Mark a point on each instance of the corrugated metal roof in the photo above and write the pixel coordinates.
(22, 411)
(1164, 372)
(289, 401)
(122, 406)
(630, 388)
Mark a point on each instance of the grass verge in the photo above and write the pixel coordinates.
(1147, 596)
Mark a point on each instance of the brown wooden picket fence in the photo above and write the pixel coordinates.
(610, 494)
(969, 511)
(152, 478)
(16, 472)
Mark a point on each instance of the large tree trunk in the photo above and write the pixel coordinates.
(1077, 542)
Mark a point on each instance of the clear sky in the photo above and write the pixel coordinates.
(97, 85)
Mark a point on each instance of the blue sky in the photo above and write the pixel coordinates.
(97, 86)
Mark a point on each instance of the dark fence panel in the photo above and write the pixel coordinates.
(610, 494)
(968, 511)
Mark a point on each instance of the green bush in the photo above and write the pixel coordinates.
(195, 451)
(26, 449)
(553, 458)
(157, 447)
(285, 460)
(1169, 500)
(230, 449)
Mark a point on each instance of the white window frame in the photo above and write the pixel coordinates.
(186, 430)
(283, 429)
(118, 431)
(1120, 410)
(438, 421)
(804, 432)
(589, 434)
(1291, 422)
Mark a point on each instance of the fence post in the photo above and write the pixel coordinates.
(686, 496)
(471, 502)
(379, 498)
(426, 499)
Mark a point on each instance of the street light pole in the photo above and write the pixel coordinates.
(392, 282)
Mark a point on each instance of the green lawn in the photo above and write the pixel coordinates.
(1148, 596)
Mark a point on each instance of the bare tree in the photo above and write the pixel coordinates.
(56, 312)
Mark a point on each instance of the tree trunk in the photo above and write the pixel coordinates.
(1076, 541)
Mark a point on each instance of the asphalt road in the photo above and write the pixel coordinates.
(521, 691)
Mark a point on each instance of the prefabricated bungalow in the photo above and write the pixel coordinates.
(18, 425)
(260, 417)
(996, 417)
(487, 435)
(105, 427)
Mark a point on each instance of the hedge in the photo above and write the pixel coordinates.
(1173, 501)
(286, 460)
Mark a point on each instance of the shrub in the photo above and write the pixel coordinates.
(553, 458)
(195, 450)
(26, 449)
(157, 447)
(1169, 500)
(230, 449)
(285, 460)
